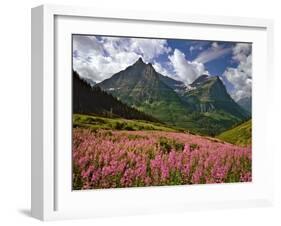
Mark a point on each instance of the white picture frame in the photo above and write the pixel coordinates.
(52, 197)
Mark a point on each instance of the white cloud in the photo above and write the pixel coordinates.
(98, 59)
(166, 71)
(241, 77)
(86, 44)
(185, 70)
(241, 51)
(212, 53)
(149, 48)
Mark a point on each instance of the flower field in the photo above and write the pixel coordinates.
(111, 159)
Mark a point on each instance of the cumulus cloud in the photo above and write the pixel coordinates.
(86, 44)
(149, 48)
(164, 70)
(99, 58)
(212, 53)
(241, 51)
(241, 76)
(186, 71)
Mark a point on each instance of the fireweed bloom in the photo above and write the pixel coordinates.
(136, 158)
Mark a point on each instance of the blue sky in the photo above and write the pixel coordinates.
(192, 49)
(99, 57)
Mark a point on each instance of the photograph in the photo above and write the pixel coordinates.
(160, 112)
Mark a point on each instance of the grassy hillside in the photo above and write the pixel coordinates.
(97, 122)
(240, 135)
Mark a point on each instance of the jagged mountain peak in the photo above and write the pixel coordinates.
(208, 93)
(137, 73)
(200, 79)
(216, 80)
(140, 60)
(208, 88)
(142, 87)
(141, 63)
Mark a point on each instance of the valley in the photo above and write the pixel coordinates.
(204, 107)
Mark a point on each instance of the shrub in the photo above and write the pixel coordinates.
(165, 144)
(192, 147)
(119, 125)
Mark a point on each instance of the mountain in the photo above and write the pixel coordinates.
(246, 104)
(202, 107)
(142, 87)
(208, 94)
(94, 101)
(200, 80)
(178, 86)
(240, 135)
(214, 109)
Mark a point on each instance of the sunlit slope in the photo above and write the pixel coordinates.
(240, 135)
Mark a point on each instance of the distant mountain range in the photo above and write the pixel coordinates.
(203, 107)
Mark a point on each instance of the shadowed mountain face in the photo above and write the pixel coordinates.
(139, 83)
(204, 106)
(94, 101)
(246, 104)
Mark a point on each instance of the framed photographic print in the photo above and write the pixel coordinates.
(137, 112)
